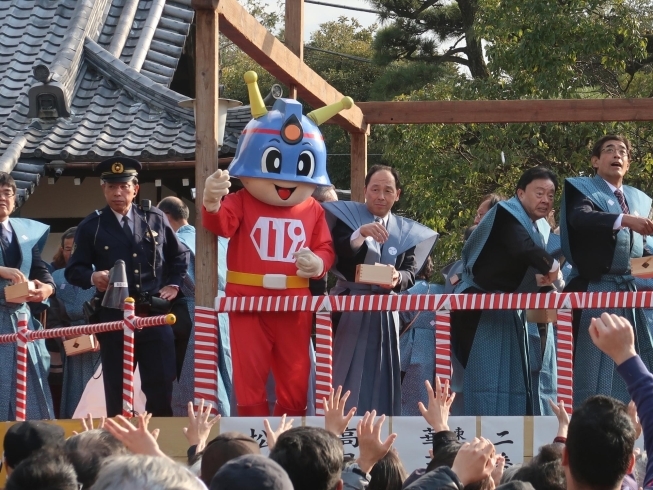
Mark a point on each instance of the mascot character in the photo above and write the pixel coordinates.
(279, 239)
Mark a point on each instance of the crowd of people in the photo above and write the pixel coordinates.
(593, 450)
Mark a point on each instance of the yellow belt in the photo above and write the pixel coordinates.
(267, 281)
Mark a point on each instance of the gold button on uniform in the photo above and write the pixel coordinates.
(138, 286)
(106, 247)
(134, 255)
(136, 271)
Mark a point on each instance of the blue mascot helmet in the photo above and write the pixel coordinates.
(283, 144)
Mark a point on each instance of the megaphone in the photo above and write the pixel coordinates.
(118, 289)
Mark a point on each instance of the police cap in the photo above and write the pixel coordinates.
(119, 169)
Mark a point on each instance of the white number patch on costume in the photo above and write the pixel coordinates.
(276, 239)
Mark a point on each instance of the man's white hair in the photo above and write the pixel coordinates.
(137, 472)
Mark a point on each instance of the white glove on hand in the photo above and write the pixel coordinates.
(216, 187)
(308, 264)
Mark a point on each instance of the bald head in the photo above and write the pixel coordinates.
(176, 211)
(325, 193)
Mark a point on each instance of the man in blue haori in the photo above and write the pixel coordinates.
(603, 225)
(21, 243)
(366, 346)
(506, 253)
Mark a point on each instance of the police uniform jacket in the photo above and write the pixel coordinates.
(153, 257)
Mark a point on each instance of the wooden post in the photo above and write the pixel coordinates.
(295, 33)
(358, 165)
(206, 163)
(206, 150)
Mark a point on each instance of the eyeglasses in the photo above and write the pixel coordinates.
(611, 150)
(7, 195)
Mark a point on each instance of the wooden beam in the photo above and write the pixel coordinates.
(260, 45)
(507, 111)
(358, 166)
(206, 151)
(294, 33)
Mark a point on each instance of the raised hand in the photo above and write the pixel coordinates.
(335, 421)
(273, 435)
(200, 425)
(87, 424)
(215, 188)
(474, 461)
(139, 439)
(563, 417)
(437, 413)
(614, 336)
(371, 448)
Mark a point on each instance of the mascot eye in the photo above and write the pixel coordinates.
(271, 161)
(306, 164)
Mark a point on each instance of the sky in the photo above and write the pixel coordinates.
(314, 15)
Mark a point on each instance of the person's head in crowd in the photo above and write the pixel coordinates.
(88, 450)
(388, 473)
(548, 453)
(175, 210)
(545, 471)
(65, 250)
(251, 472)
(222, 449)
(509, 473)
(611, 158)
(45, 469)
(325, 193)
(487, 203)
(599, 448)
(311, 456)
(536, 190)
(468, 232)
(138, 472)
(382, 189)
(24, 438)
(426, 271)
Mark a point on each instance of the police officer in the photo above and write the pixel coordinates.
(156, 264)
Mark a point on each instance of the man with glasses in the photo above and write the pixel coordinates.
(603, 225)
(21, 243)
(156, 264)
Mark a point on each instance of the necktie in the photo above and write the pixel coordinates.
(126, 228)
(622, 201)
(380, 221)
(4, 240)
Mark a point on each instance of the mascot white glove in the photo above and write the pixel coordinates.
(308, 264)
(215, 188)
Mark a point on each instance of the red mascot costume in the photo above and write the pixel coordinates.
(279, 239)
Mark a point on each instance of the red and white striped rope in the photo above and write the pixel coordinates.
(22, 338)
(206, 356)
(323, 359)
(565, 359)
(76, 331)
(442, 334)
(433, 302)
(128, 359)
